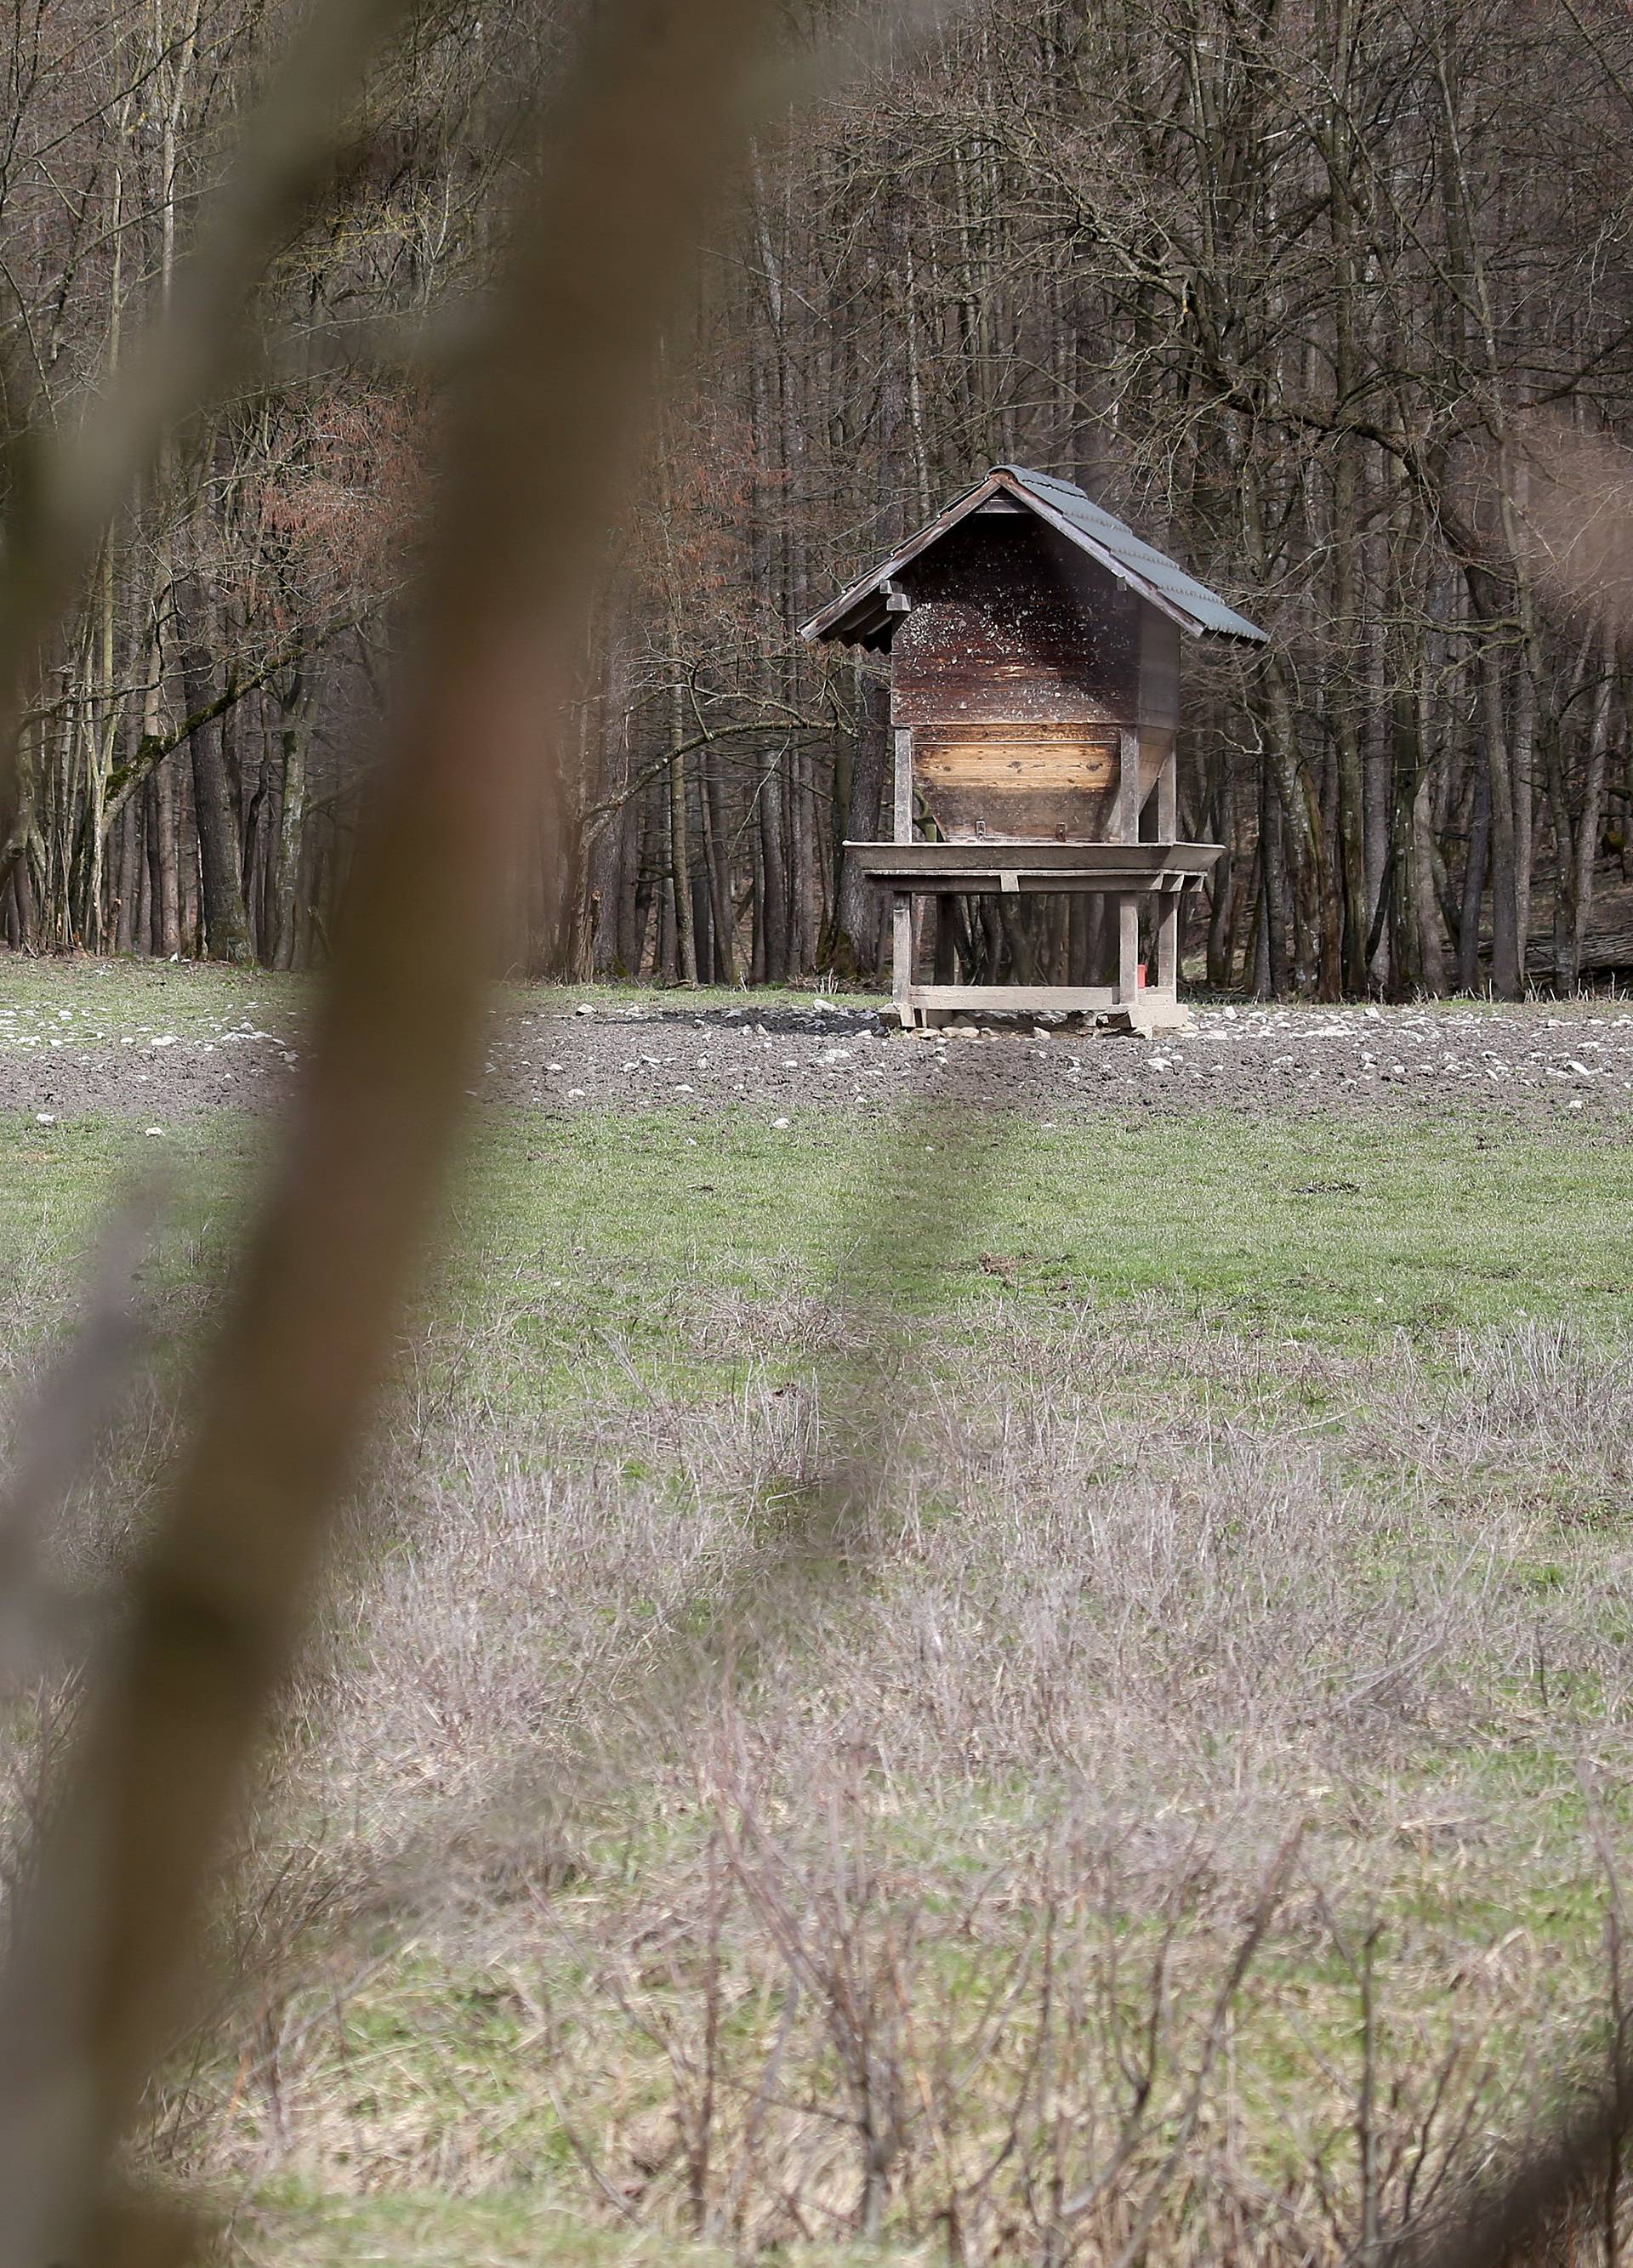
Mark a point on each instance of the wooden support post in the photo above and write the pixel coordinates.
(902, 955)
(902, 937)
(1129, 950)
(1168, 797)
(1170, 905)
(903, 808)
(1168, 911)
(1128, 797)
(1128, 904)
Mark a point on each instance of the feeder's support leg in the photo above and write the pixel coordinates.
(901, 956)
(901, 902)
(1127, 827)
(901, 798)
(1168, 796)
(1170, 904)
(1128, 797)
(1127, 950)
(1168, 942)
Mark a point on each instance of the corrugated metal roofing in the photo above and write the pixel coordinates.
(865, 615)
(1141, 561)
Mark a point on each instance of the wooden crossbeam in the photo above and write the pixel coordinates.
(993, 864)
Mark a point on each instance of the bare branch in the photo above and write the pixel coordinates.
(67, 487)
(105, 1955)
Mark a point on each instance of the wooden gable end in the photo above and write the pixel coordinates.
(1019, 664)
(1009, 623)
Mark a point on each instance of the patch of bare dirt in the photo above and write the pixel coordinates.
(1569, 1065)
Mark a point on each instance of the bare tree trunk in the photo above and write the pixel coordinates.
(1507, 973)
(774, 873)
(1474, 873)
(1280, 912)
(164, 847)
(294, 738)
(225, 925)
(1591, 822)
(680, 847)
(712, 813)
(858, 906)
(1431, 961)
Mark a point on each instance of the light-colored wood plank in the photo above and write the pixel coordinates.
(1169, 909)
(1168, 943)
(902, 942)
(1168, 796)
(1016, 779)
(902, 814)
(1127, 949)
(1156, 746)
(1036, 852)
(988, 880)
(1015, 765)
(1129, 789)
(1037, 998)
(901, 946)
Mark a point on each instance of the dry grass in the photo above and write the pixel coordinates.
(832, 1782)
(1170, 1808)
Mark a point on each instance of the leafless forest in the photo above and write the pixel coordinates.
(1332, 300)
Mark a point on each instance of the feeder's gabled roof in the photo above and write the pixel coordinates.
(867, 614)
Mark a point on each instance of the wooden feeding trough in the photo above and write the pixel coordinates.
(1034, 646)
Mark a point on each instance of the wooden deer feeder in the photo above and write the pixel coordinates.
(1034, 646)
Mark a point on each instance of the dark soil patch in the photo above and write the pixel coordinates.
(1569, 1067)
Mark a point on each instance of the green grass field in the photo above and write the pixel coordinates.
(1199, 1479)
(1336, 1230)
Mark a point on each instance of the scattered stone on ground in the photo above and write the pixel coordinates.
(1566, 1062)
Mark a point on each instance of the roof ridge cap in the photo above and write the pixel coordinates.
(1025, 473)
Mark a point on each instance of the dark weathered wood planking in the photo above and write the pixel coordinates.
(1026, 733)
(1159, 702)
(1009, 623)
(1159, 670)
(1015, 668)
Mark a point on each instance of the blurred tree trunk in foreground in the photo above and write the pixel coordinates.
(106, 1935)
